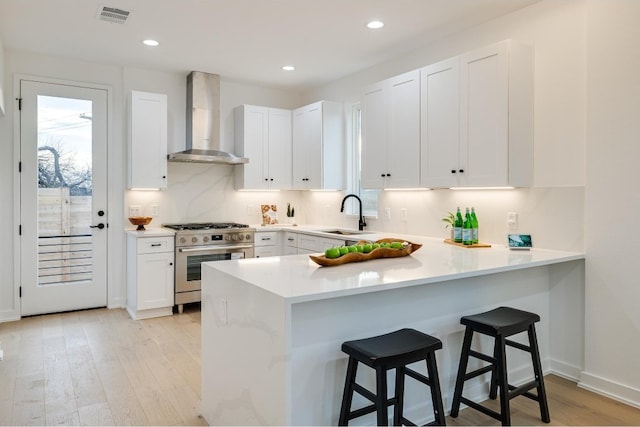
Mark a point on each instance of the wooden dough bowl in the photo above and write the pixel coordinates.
(374, 254)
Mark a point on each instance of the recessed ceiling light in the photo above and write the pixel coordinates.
(288, 67)
(150, 42)
(374, 25)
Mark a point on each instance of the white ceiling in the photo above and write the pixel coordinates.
(247, 40)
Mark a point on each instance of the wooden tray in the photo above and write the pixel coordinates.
(475, 245)
(374, 254)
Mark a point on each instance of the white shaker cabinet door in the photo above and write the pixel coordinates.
(318, 146)
(403, 145)
(263, 134)
(375, 127)
(391, 133)
(279, 149)
(440, 124)
(484, 130)
(148, 140)
(155, 280)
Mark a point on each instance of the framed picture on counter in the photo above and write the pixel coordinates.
(520, 241)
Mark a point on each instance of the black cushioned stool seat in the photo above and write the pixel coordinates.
(394, 350)
(500, 323)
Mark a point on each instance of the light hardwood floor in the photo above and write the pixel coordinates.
(99, 367)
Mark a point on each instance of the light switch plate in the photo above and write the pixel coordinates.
(135, 210)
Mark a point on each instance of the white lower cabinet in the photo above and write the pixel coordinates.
(315, 244)
(274, 243)
(290, 243)
(150, 276)
(267, 243)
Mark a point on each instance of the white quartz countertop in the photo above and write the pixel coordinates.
(298, 279)
(151, 232)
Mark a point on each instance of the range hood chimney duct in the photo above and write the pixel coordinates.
(203, 123)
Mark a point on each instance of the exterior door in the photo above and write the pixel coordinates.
(63, 217)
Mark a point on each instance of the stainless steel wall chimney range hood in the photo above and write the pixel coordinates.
(203, 123)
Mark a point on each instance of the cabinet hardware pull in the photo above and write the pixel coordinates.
(153, 245)
(453, 171)
(461, 171)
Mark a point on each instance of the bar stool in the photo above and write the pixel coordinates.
(382, 353)
(500, 323)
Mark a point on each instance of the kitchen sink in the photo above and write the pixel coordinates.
(343, 232)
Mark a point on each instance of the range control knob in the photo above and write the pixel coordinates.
(227, 237)
(248, 237)
(194, 239)
(205, 239)
(242, 237)
(234, 237)
(183, 240)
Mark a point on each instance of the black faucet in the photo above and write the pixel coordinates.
(361, 223)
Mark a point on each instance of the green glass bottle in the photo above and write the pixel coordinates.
(467, 230)
(457, 227)
(474, 226)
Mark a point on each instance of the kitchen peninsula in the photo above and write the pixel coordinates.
(272, 327)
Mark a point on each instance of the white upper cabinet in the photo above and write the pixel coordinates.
(263, 135)
(148, 140)
(477, 119)
(318, 146)
(440, 123)
(391, 133)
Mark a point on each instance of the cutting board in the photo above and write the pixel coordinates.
(475, 245)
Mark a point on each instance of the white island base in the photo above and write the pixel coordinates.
(272, 327)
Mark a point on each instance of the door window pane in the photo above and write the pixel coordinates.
(64, 190)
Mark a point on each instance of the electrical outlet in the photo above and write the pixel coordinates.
(403, 214)
(512, 219)
(135, 210)
(387, 214)
(155, 210)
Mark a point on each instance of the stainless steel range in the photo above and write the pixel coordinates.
(203, 242)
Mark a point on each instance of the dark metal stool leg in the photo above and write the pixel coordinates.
(462, 370)
(381, 397)
(503, 382)
(537, 369)
(398, 407)
(493, 389)
(436, 394)
(347, 396)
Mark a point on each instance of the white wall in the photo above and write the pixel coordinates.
(613, 199)
(2, 85)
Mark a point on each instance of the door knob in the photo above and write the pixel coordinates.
(99, 226)
(100, 213)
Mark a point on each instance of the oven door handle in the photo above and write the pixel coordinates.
(215, 248)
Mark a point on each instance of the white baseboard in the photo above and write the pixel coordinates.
(616, 391)
(564, 370)
(117, 303)
(9, 316)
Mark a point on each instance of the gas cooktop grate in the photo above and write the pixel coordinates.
(205, 226)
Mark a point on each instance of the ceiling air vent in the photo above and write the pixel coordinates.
(112, 14)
